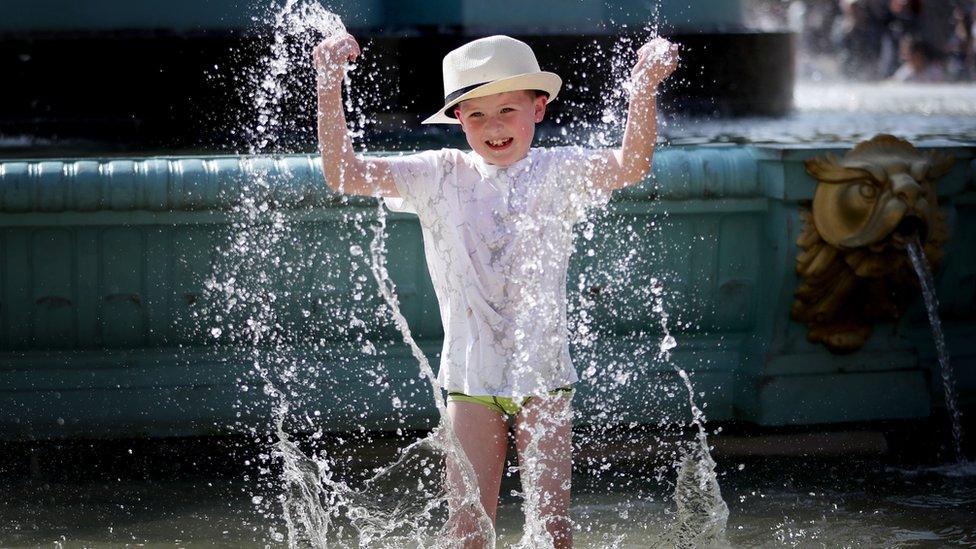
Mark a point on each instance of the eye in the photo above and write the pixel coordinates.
(475, 114)
(867, 190)
(507, 109)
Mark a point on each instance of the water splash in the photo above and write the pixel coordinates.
(306, 480)
(444, 437)
(921, 265)
(298, 27)
(400, 505)
(319, 506)
(701, 513)
(254, 282)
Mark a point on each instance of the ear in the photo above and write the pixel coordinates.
(540, 107)
(457, 115)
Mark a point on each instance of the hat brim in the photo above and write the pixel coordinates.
(544, 81)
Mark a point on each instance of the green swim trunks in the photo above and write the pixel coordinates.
(505, 405)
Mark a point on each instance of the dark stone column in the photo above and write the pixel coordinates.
(144, 91)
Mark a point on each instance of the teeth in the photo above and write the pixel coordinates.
(497, 142)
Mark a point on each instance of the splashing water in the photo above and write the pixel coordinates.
(927, 282)
(244, 289)
(319, 506)
(444, 437)
(298, 27)
(701, 513)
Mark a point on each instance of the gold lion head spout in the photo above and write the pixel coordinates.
(866, 209)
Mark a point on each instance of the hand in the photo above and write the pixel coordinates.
(656, 60)
(330, 58)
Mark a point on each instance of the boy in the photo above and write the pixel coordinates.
(497, 225)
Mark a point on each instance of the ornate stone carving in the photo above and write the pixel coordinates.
(854, 266)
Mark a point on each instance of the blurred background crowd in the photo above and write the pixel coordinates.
(900, 40)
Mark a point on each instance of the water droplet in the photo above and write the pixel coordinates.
(667, 343)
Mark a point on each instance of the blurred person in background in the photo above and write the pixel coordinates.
(921, 62)
(935, 23)
(926, 40)
(961, 49)
(901, 19)
(859, 34)
(816, 20)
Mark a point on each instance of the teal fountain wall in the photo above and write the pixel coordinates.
(103, 262)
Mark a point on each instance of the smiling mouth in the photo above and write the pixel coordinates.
(498, 144)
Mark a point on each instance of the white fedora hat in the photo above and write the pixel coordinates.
(490, 65)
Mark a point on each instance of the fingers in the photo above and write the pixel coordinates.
(330, 56)
(657, 52)
(659, 48)
(648, 47)
(355, 47)
(346, 47)
(656, 61)
(336, 49)
(673, 52)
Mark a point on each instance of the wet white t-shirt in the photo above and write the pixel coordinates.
(498, 242)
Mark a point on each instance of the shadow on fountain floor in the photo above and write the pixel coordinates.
(782, 485)
(908, 443)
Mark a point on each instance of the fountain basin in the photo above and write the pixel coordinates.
(103, 329)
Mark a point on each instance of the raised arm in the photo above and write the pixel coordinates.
(344, 171)
(628, 165)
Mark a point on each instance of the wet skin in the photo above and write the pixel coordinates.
(482, 432)
(500, 127)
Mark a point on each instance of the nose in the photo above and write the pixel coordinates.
(494, 123)
(905, 188)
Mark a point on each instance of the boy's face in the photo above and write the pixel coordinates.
(500, 127)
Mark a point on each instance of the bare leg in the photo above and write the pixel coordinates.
(483, 435)
(547, 421)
